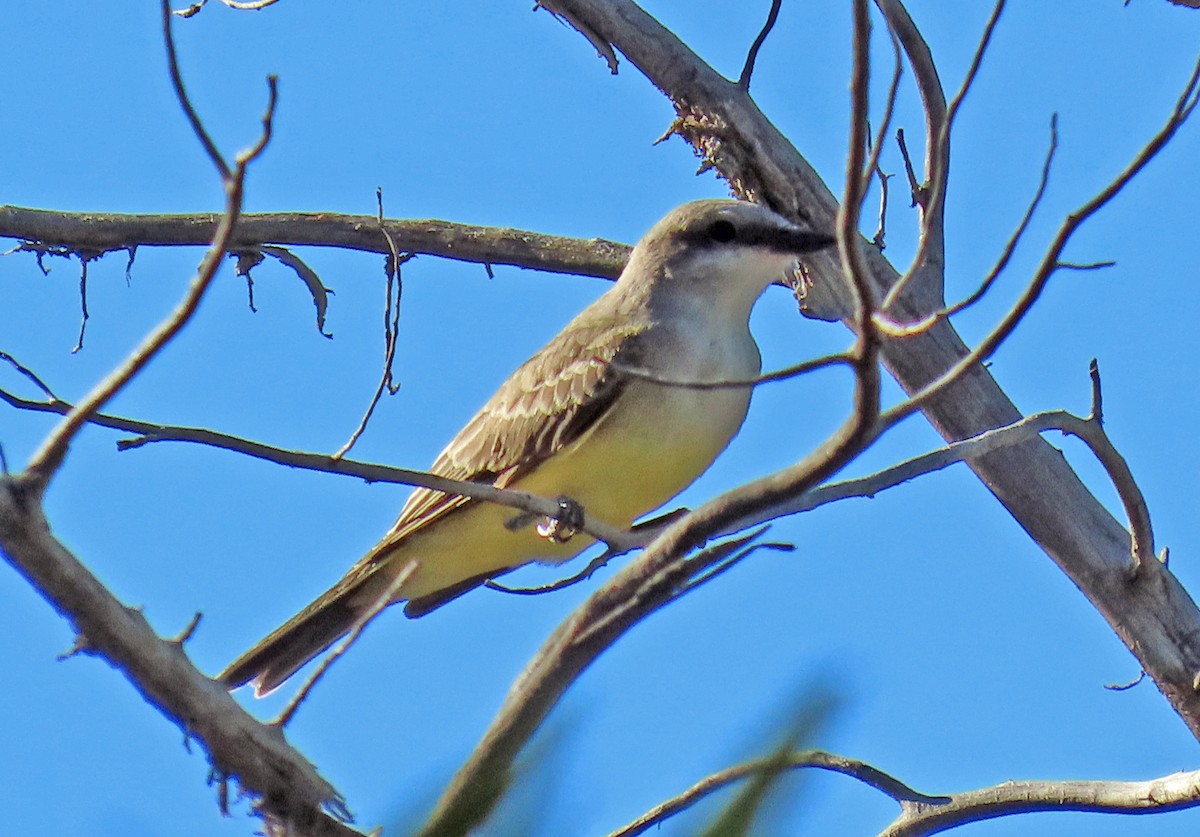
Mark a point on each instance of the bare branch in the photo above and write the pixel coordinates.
(875, 146)
(644, 585)
(1168, 793)
(587, 572)
(150, 433)
(787, 373)
(922, 814)
(49, 456)
(210, 148)
(64, 233)
(288, 788)
(817, 759)
(368, 616)
(1051, 261)
(927, 265)
(913, 185)
(30, 374)
(752, 55)
(894, 329)
(236, 743)
(1088, 430)
(391, 328)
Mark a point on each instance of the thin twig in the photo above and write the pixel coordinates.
(880, 237)
(640, 535)
(786, 373)
(875, 146)
(1184, 107)
(735, 558)
(30, 374)
(368, 616)
(53, 449)
(150, 433)
(210, 147)
(587, 572)
(391, 328)
(816, 759)
(83, 306)
(189, 631)
(895, 329)
(931, 196)
(914, 186)
(752, 55)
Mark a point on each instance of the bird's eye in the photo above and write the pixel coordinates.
(722, 231)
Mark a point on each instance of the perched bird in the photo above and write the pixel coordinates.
(570, 423)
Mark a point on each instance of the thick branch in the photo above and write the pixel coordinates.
(658, 576)
(1156, 796)
(103, 231)
(1153, 615)
(237, 744)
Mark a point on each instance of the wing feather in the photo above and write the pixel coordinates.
(547, 403)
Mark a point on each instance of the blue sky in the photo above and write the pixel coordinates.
(960, 655)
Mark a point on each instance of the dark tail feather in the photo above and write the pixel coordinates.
(272, 661)
(418, 607)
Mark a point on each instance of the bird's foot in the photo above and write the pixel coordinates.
(562, 528)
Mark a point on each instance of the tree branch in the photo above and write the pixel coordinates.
(922, 814)
(104, 232)
(1156, 796)
(288, 786)
(1153, 615)
(290, 794)
(148, 433)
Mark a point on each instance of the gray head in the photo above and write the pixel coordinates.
(724, 252)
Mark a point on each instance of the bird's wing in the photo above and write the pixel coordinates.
(547, 403)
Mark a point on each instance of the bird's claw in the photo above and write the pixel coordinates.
(562, 528)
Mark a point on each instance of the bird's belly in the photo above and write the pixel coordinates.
(646, 450)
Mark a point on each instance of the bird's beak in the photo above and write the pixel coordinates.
(796, 240)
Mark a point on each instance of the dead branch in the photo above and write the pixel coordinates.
(393, 291)
(1052, 260)
(752, 55)
(1155, 796)
(894, 329)
(655, 578)
(1155, 618)
(663, 571)
(149, 433)
(922, 814)
(49, 456)
(288, 790)
(1030, 478)
(236, 744)
(106, 232)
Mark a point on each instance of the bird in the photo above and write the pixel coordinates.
(601, 415)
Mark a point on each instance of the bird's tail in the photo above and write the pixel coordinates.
(286, 649)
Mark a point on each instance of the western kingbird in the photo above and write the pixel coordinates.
(570, 423)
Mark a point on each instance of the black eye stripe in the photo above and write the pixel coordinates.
(722, 231)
